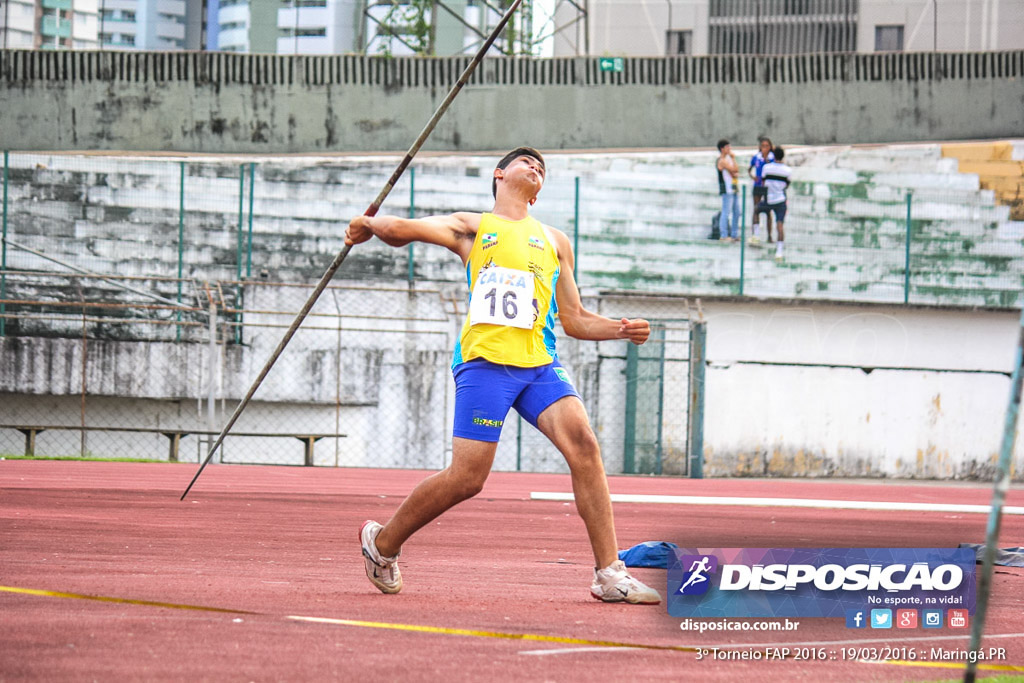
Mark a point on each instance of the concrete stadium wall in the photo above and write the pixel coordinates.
(835, 390)
(223, 103)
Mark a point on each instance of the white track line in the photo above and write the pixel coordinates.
(787, 502)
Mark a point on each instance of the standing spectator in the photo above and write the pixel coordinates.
(728, 176)
(763, 156)
(776, 180)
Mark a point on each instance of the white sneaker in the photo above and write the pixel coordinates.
(614, 584)
(381, 571)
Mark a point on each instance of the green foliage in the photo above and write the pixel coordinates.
(411, 22)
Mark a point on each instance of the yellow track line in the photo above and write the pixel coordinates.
(491, 634)
(441, 630)
(123, 601)
(351, 622)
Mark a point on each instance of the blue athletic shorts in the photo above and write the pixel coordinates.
(778, 209)
(484, 392)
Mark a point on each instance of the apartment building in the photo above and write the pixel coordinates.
(318, 27)
(49, 24)
(321, 27)
(150, 24)
(102, 24)
(700, 27)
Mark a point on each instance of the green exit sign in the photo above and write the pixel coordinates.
(611, 64)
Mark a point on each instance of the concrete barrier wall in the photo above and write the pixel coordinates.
(834, 390)
(215, 102)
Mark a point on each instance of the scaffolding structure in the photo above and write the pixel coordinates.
(453, 27)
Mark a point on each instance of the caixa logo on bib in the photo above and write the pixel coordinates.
(817, 582)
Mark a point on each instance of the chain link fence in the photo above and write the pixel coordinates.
(140, 296)
(892, 225)
(366, 380)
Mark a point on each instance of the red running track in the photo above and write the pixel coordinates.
(277, 542)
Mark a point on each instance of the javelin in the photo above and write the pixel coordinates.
(371, 211)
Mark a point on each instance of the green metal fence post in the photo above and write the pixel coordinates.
(3, 259)
(576, 233)
(906, 261)
(412, 214)
(661, 401)
(252, 186)
(241, 217)
(519, 443)
(743, 236)
(181, 240)
(239, 291)
(629, 439)
(695, 417)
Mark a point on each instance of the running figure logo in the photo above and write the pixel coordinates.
(697, 572)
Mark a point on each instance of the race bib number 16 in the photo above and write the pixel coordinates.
(502, 296)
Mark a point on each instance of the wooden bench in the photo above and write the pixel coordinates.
(173, 435)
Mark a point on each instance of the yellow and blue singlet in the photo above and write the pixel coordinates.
(522, 245)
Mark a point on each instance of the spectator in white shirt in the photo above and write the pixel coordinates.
(776, 180)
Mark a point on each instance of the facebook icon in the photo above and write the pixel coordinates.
(855, 618)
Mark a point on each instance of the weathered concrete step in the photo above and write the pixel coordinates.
(979, 151)
(965, 280)
(669, 283)
(980, 296)
(1006, 169)
(1011, 230)
(844, 259)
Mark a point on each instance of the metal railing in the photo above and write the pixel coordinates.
(233, 222)
(90, 368)
(218, 68)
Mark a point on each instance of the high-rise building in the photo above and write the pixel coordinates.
(247, 25)
(318, 27)
(322, 27)
(48, 24)
(774, 27)
(150, 24)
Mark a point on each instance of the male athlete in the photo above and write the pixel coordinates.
(776, 181)
(763, 156)
(520, 277)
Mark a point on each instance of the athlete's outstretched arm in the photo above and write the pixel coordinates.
(454, 232)
(577, 321)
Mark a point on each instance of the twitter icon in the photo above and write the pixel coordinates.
(881, 618)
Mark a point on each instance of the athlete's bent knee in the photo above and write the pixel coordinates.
(470, 489)
(584, 451)
(467, 485)
(586, 442)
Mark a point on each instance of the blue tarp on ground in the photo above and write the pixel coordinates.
(1005, 557)
(658, 554)
(648, 554)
